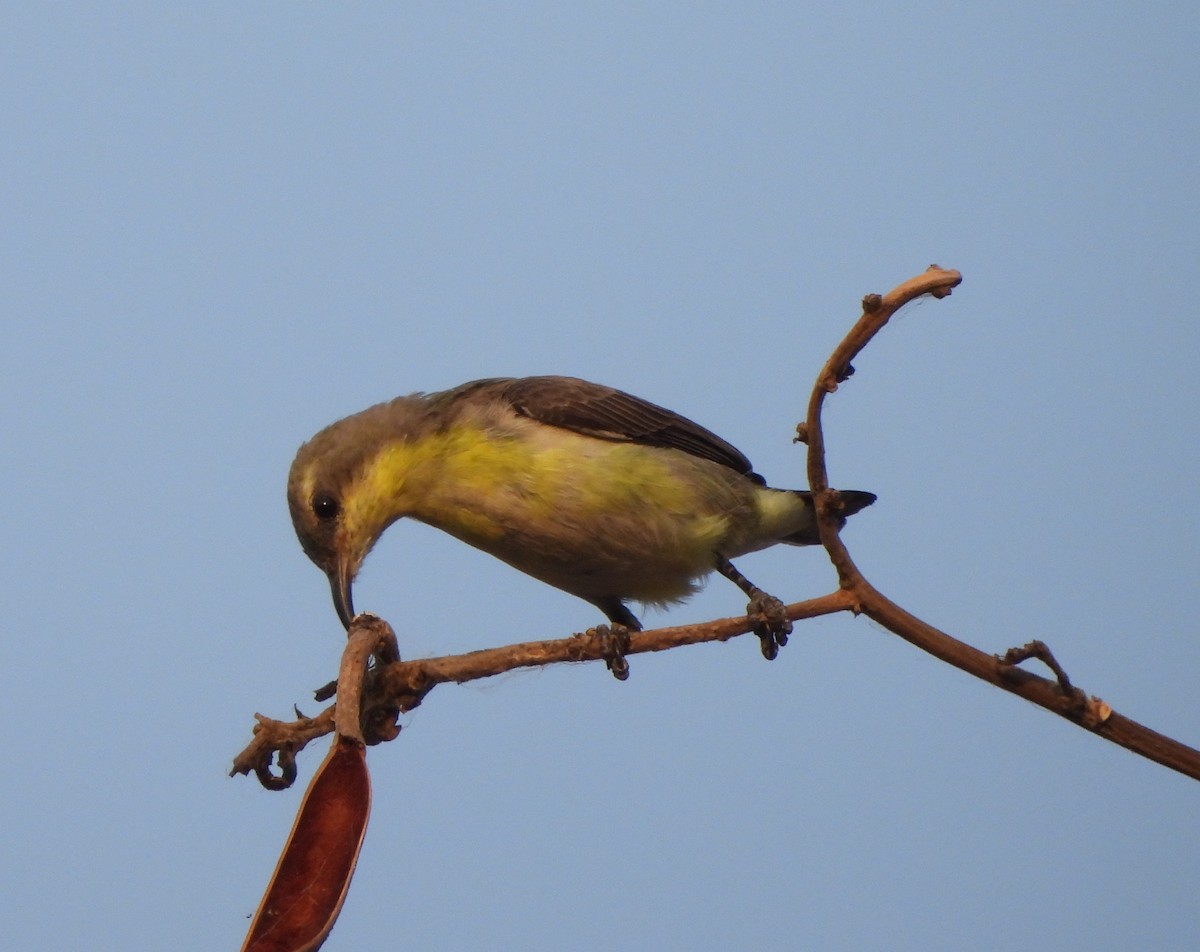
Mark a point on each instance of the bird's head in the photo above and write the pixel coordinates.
(341, 499)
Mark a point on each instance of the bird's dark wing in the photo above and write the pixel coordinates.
(610, 414)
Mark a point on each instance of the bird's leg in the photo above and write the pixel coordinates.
(773, 627)
(616, 637)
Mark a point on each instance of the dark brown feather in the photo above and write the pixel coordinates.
(610, 414)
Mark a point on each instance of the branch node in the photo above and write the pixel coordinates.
(381, 724)
(849, 591)
(1095, 712)
(872, 303)
(830, 500)
(801, 433)
(1041, 652)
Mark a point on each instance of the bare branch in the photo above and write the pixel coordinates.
(393, 686)
(398, 686)
(1058, 696)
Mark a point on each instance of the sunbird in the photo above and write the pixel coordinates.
(592, 490)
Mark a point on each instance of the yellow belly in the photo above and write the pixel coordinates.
(593, 518)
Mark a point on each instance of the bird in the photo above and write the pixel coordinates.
(587, 488)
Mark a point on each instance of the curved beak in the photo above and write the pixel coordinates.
(341, 577)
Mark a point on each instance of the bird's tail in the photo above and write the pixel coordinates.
(853, 500)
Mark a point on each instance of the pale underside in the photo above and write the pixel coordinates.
(597, 518)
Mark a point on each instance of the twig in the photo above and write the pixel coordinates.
(1058, 696)
(400, 686)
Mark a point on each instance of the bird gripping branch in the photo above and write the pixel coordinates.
(594, 491)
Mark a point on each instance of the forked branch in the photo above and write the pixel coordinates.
(397, 686)
(1059, 695)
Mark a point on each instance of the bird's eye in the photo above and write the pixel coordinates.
(325, 506)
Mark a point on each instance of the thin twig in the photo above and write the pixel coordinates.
(401, 685)
(1058, 696)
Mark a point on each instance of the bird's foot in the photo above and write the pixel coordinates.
(767, 612)
(771, 622)
(615, 642)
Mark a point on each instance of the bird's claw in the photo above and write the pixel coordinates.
(615, 642)
(772, 624)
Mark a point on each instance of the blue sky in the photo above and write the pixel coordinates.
(226, 226)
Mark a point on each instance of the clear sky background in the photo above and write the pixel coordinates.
(225, 226)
